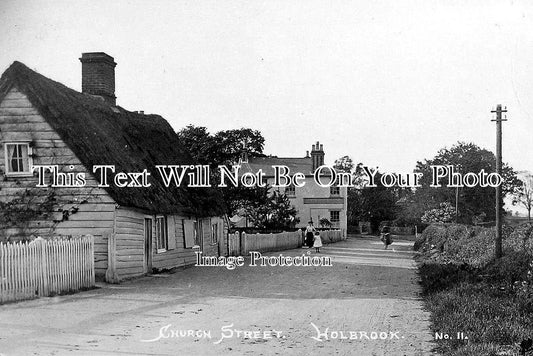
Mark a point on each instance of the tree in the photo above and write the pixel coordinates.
(232, 144)
(344, 164)
(471, 202)
(200, 144)
(270, 211)
(265, 210)
(224, 147)
(282, 214)
(524, 193)
(373, 204)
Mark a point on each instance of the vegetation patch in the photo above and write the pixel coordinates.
(467, 291)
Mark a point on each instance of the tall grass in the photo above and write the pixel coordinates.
(466, 290)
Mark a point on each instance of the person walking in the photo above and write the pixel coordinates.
(386, 237)
(309, 230)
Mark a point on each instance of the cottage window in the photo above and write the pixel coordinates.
(335, 191)
(214, 233)
(197, 232)
(189, 233)
(18, 158)
(290, 190)
(334, 216)
(161, 231)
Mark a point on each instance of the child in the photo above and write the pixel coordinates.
(317, 242)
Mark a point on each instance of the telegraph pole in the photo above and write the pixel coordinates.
(499, 119)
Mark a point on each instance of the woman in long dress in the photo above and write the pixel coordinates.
(309, 230)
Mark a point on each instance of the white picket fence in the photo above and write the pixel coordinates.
(271, 242)
(234, 244)
(46, 267)
(328, 236)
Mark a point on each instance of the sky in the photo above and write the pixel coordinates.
(388, 83)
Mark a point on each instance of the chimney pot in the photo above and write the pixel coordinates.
(317, 155)
(98, 75)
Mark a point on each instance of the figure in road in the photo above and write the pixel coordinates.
(386, 237)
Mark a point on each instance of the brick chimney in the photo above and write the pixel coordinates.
(98, 76)
(317, 155)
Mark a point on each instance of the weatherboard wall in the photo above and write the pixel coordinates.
(130, 247)
(90, 209)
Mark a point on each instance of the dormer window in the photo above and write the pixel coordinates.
(18, 159)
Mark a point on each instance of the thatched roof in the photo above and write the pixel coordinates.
(102, 134)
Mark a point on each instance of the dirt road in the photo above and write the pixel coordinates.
(367, 303)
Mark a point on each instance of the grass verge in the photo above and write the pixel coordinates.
(491, 305)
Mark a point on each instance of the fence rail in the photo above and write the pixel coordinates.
(45, 267)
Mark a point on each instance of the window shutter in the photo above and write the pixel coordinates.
(171, 233)
(188, 233)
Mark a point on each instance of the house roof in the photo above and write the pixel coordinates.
(303, 165)
(99, 133)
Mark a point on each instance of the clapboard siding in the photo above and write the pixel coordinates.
(100, 255)
(177, 256)
(181, 256)
(92, 210)
(95, 208)
(129, 235)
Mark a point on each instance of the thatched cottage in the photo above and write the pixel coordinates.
(42, 122)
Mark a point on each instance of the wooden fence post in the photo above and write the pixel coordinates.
(243, 243)
(3, 277)
(91, 261)
(111, 275)
(43, 275)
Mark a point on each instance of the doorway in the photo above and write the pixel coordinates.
(148, 231)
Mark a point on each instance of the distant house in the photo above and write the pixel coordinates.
(312, 201)
(42, 122)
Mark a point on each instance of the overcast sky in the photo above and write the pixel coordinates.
(385, 82)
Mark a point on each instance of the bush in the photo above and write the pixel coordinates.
(436, 277)
(476, 249)
(510, 268)
(440, 236)
(519, 239)
(445, 213)
(473, 245)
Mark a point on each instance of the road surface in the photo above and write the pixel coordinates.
(367, 303)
